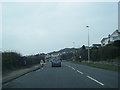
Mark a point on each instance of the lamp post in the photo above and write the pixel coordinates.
(73, 51)
(88, 45)
(73, 44)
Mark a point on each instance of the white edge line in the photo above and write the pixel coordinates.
(79, 72)
(95, 80)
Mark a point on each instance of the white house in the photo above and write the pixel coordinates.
(104, 41)
(115, 36)
(111, 38)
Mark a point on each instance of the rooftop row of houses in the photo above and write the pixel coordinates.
(111, 38)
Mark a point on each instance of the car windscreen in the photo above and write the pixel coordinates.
(56, 59)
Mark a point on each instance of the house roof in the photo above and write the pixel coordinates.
(103, 39)
(116, 31)
(96, 45)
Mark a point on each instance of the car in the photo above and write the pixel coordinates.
(56, 62)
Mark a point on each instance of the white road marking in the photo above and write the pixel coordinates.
(73, 68)
(69, 66)
(26, 74)
(66, 65)
(79, 72)
(37, 70)
(87, 76)
(95, 80)
(5, 84)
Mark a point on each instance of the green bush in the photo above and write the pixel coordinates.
(108, 52)
(10, 60)
(117, 43)
(13, 60)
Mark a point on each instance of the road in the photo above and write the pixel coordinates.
(70, 75)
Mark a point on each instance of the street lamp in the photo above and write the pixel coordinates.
(88, 45)
(73, 51)
(73, 44)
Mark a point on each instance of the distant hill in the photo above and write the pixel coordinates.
(65, 50)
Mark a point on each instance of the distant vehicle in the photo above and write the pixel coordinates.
(56, 62)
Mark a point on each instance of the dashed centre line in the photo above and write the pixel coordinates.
(73, 68)
(87, 76)
(80, 72)
(95, 80)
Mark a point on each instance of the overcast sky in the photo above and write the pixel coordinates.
(31, 28)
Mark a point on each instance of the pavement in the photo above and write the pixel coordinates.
(18, 73)
(69, 75)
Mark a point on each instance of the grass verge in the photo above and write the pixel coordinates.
(108, 67)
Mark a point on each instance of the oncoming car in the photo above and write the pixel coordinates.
(56, 62)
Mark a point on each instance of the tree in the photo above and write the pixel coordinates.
(83, 47)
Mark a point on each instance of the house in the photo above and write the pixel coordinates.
(96, 45)
(115, 36)
(104, 41)
(111, 38)
(86, 47)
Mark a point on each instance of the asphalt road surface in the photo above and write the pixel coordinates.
(70, 75)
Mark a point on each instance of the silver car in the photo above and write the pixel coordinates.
(56, 62)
